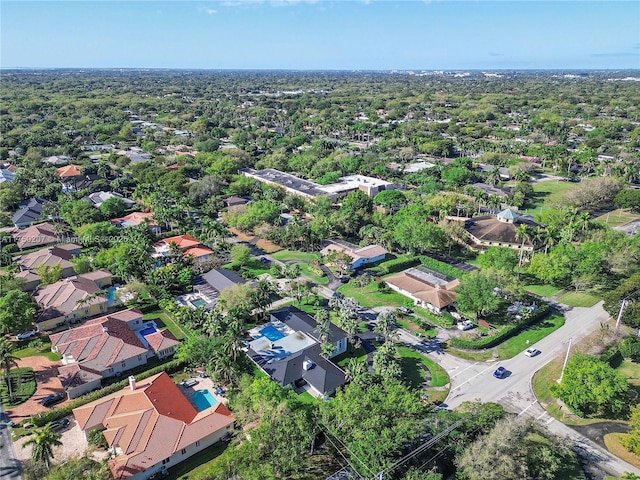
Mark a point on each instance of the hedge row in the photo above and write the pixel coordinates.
(441, 267)
(43, 418)
(504, 333)
(398, 265)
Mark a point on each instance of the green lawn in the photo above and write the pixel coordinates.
(410, 360)
(163, 320)
(631, 371)
(542, 290)
(617, 217)
(407, 322)
(43, 350)
(547, 194)
(284, 255)
(444, 322)
(197, 466)
(23, 382)
(307, 270)
(578, 299)
(471, 355)
(372, 297)
(518, 343)
(255, 267)
(342, 359)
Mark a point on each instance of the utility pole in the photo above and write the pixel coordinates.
(566, 358)
(622, 305)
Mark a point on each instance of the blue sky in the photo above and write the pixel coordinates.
(299, 34)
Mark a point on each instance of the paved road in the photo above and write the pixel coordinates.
(9, 466)
(474, 381)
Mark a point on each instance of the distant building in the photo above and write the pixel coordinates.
(288, 350)
(498, 231)
(427, 288)
(361, 255)
(98, 198)
(6, 175)
(29, 211)
(72, 299)
(136, 218)
(36, 236)
(187, 245)
(59, 255)
(490, 189)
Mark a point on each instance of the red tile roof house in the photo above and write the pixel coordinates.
(72, 299)
(151, 426)
(187, 245)
(58, 255)
(136, 218)
(107, 346)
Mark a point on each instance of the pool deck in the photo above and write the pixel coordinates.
(203, 384)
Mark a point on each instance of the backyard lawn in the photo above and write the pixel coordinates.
(370, 296)
(33, 349)
(548, 194)
(286, 255)
(518, 343)
(631, 371)
(542, 290)
(198, 465)
(406, 322)
(163, 320)
(578, 299)
(255, 267)
(413, 365)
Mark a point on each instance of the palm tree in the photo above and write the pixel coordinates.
(8, 360)
(522, 233)
(43, 441)
(386, 325)
(354, 368)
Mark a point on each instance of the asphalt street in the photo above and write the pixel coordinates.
(9, 466)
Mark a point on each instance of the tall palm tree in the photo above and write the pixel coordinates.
(354, 368)
(43, 441)
(522, 233)
(8, 360)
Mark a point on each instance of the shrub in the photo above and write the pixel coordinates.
(441, 267)
(629, 348)
(502, 334)
(398, 265)
(96, 438)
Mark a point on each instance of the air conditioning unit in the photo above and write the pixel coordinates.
(308, 365)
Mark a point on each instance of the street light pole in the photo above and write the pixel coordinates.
(624, 300)
(566, 358)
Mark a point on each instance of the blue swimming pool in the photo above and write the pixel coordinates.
(198, 302)
(149, 328)
(202, 400)
(272, 333)
(111, 294)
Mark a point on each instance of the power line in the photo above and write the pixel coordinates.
(327, 432)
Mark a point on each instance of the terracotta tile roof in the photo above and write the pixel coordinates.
(161, 340)
(149, 424)
(182, 242)
(437, 295)
(65, 296)
(68, 171)
(102, 342)
(134, 218)
(41, 234)
(47, 256)
(355, 252)
(198, 251)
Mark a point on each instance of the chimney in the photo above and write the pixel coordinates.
(132, 382)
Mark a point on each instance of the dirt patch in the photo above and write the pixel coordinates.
(47, 382)
(597, 431)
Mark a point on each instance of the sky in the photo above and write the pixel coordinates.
(321, 35)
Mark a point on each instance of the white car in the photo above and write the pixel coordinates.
(466, 325)
(25, 335)
(531, 352)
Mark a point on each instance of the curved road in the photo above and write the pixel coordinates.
(474, 381)
(9, 467)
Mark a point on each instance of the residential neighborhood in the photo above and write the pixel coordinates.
(408, 275)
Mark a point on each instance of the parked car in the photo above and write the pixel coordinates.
(466, 325)
(500, 372)
(52, 399)
(531, 352)
(405, 310)
(265, 260)
(25, 335)
(60, 424)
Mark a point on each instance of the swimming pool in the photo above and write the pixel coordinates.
(111, 294)
(149, 328)
(272, 333)
(198, 302)
(202, 400)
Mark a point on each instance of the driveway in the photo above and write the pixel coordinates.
(47, 382)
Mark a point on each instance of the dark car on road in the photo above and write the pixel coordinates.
(52, 399)
(500, 372)
(60, 424)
